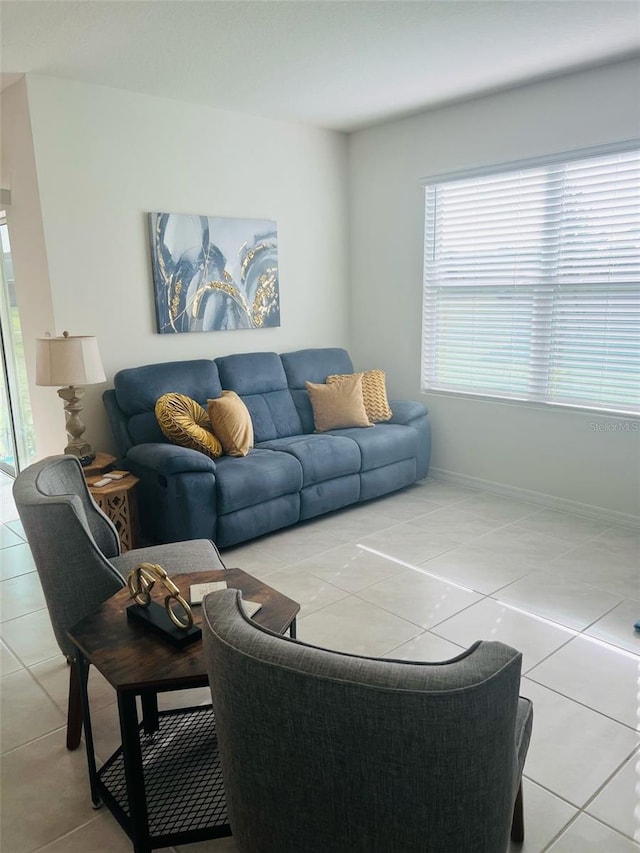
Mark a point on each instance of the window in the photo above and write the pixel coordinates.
(531, 283)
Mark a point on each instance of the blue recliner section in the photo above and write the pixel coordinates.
(292, 473)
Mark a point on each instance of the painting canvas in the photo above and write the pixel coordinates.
(212, 273)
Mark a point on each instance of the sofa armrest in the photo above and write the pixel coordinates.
(117, 421)
(413, 414)
(169, 459)
(177, 497)
(405, 411)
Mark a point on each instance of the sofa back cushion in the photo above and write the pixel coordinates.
(259, 378)
(138, 388)
(312, 365)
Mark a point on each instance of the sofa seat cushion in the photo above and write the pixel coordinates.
(176, 557)
(383, 444)
(321, 456)
(260, 476)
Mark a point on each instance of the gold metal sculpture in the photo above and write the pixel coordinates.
(140, 582)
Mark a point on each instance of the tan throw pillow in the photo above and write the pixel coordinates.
(374, 393)
(185, 422)
(231, 422)
(338, 405)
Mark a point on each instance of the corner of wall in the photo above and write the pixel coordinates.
(18, 175)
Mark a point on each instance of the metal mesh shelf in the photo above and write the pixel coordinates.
(182, 775)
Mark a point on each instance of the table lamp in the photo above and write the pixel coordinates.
(71, 361)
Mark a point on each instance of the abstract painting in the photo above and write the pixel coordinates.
(212, 273)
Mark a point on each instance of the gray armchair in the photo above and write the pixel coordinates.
(77, 554)
(332, 753)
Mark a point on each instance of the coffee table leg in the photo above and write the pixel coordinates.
(132, 757)
(293, 633)
(83, 675)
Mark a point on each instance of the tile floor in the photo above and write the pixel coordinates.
(421, 574)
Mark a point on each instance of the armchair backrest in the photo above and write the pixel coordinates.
(324, 751)
(71, 541)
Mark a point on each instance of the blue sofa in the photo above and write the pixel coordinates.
(292, 473)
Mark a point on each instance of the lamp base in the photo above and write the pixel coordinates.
(77, 446)
(84, 452)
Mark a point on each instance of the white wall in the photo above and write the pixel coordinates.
(18, 175)
(558, 453)
(106, 157)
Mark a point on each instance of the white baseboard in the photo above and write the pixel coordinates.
(575, 507)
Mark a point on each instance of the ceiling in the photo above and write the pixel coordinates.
(339, 64)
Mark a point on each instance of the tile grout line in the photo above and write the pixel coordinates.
(591, 624)
(634, 752)
(67, 834)
(545, 619)
(561, 831)
(35, 739)
(582, 705)
(482, 596)
(582, 810)
(582, 813)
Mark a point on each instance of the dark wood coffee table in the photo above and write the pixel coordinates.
(163, 784)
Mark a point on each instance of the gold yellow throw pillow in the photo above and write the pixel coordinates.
(231, 422)
(185, 422)
(374, 393)
(338, 405)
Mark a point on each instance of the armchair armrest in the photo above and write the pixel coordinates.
(169, 459)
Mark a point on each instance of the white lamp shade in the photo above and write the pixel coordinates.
(68, 361)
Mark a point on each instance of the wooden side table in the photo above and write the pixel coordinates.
(164, 783)
(98, 465)
(118, 502)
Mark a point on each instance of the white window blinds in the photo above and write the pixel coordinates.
(531, 284)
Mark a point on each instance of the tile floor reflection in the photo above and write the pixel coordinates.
(418, 575)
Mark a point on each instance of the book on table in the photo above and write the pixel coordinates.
(199, 590)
